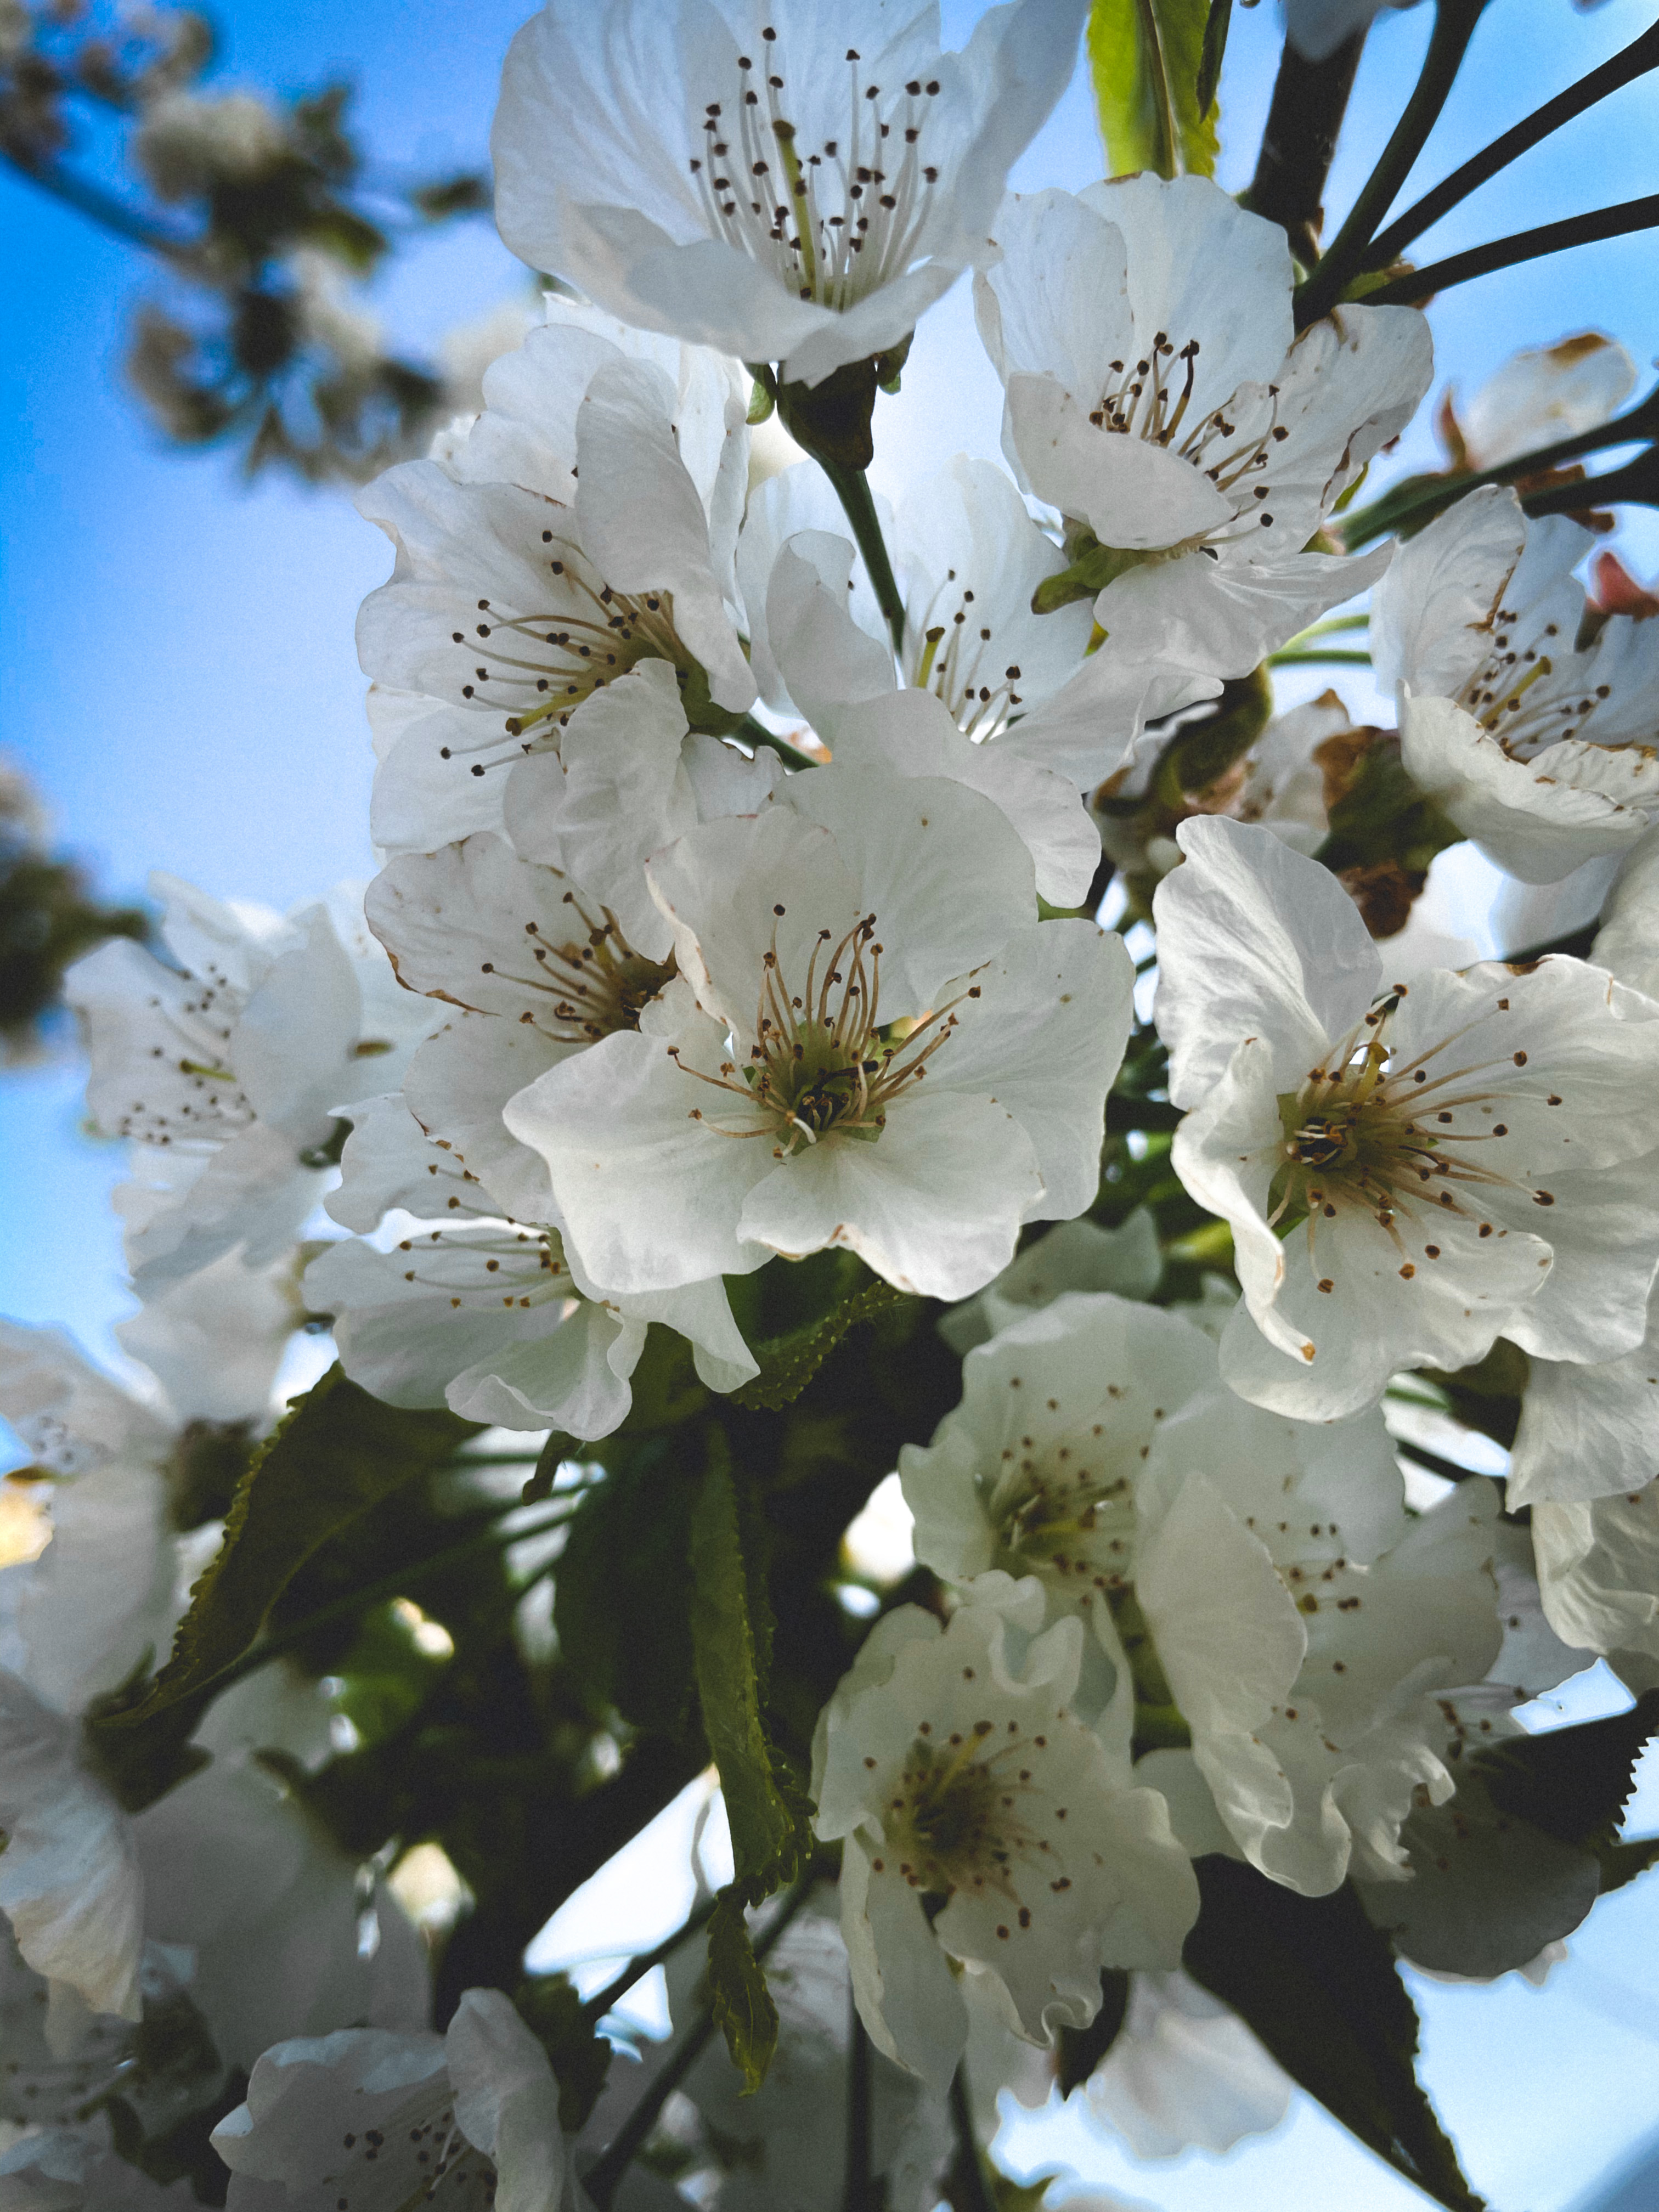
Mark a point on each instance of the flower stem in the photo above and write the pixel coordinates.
(1454, 26)
(1424, 498)
(971, 2192)
(1636, 485)
(1520, 246)
(597, 2006)
(858, 2192)
(748, 731)
(852, 489)
(1314, 657)
(602, 2179)
(1636, 59)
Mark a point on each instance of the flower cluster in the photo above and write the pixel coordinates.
(739, 1084)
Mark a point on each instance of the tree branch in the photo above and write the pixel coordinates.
(1299, 142)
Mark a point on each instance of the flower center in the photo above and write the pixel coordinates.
(1371, 1134)
(524, 672)
(821, 1061)
(1072, 1524)
(950, 650)
(1519, 696)
(833, 222)
(594, 983)
(1151, 399)
(954, 1812)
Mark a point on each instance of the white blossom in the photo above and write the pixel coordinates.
(1324, 1105)
(791, 186)
(1587, 1430)
(587, 522)
(919, 1755)
(803, 935)
(968, 559)
(1170, 409)
(1540, 749)
(1317, 1692)
(224, 1070)
(457, 1304)
(1627, 942)
(226, 1866)
(1598, 1573)
(364, 2119)
(1073, 1255)
(1183, 2070)
(1543, 394)
(1296, 1624)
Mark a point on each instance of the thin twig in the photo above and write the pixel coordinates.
(597, 2006)
(101, 207)
(1522, 245)
(857, 2190)
(1454, 26)
(602, 2179)
(969, 2171)
(1636, 59)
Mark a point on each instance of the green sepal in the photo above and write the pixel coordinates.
(552, 2010)
(831, 420)
(702, 710)
(788, 1362)
(1093, 567)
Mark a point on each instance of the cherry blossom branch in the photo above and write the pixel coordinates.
(98, 206)
(1522, 245)
(1454, 26)
(1638, 57)
(1299, 142)
(604, 2177)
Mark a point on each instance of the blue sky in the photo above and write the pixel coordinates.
(178, 675)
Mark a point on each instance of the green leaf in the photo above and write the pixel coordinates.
(1144, 58)
(1318, 1983)
(337, 1454)
(621, 1589)
(742, 2003)
(1216, 23)
(1488, 1891)
(789, 1362)
(1573, 1783)
(1082, 2049)
(765, 1826)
